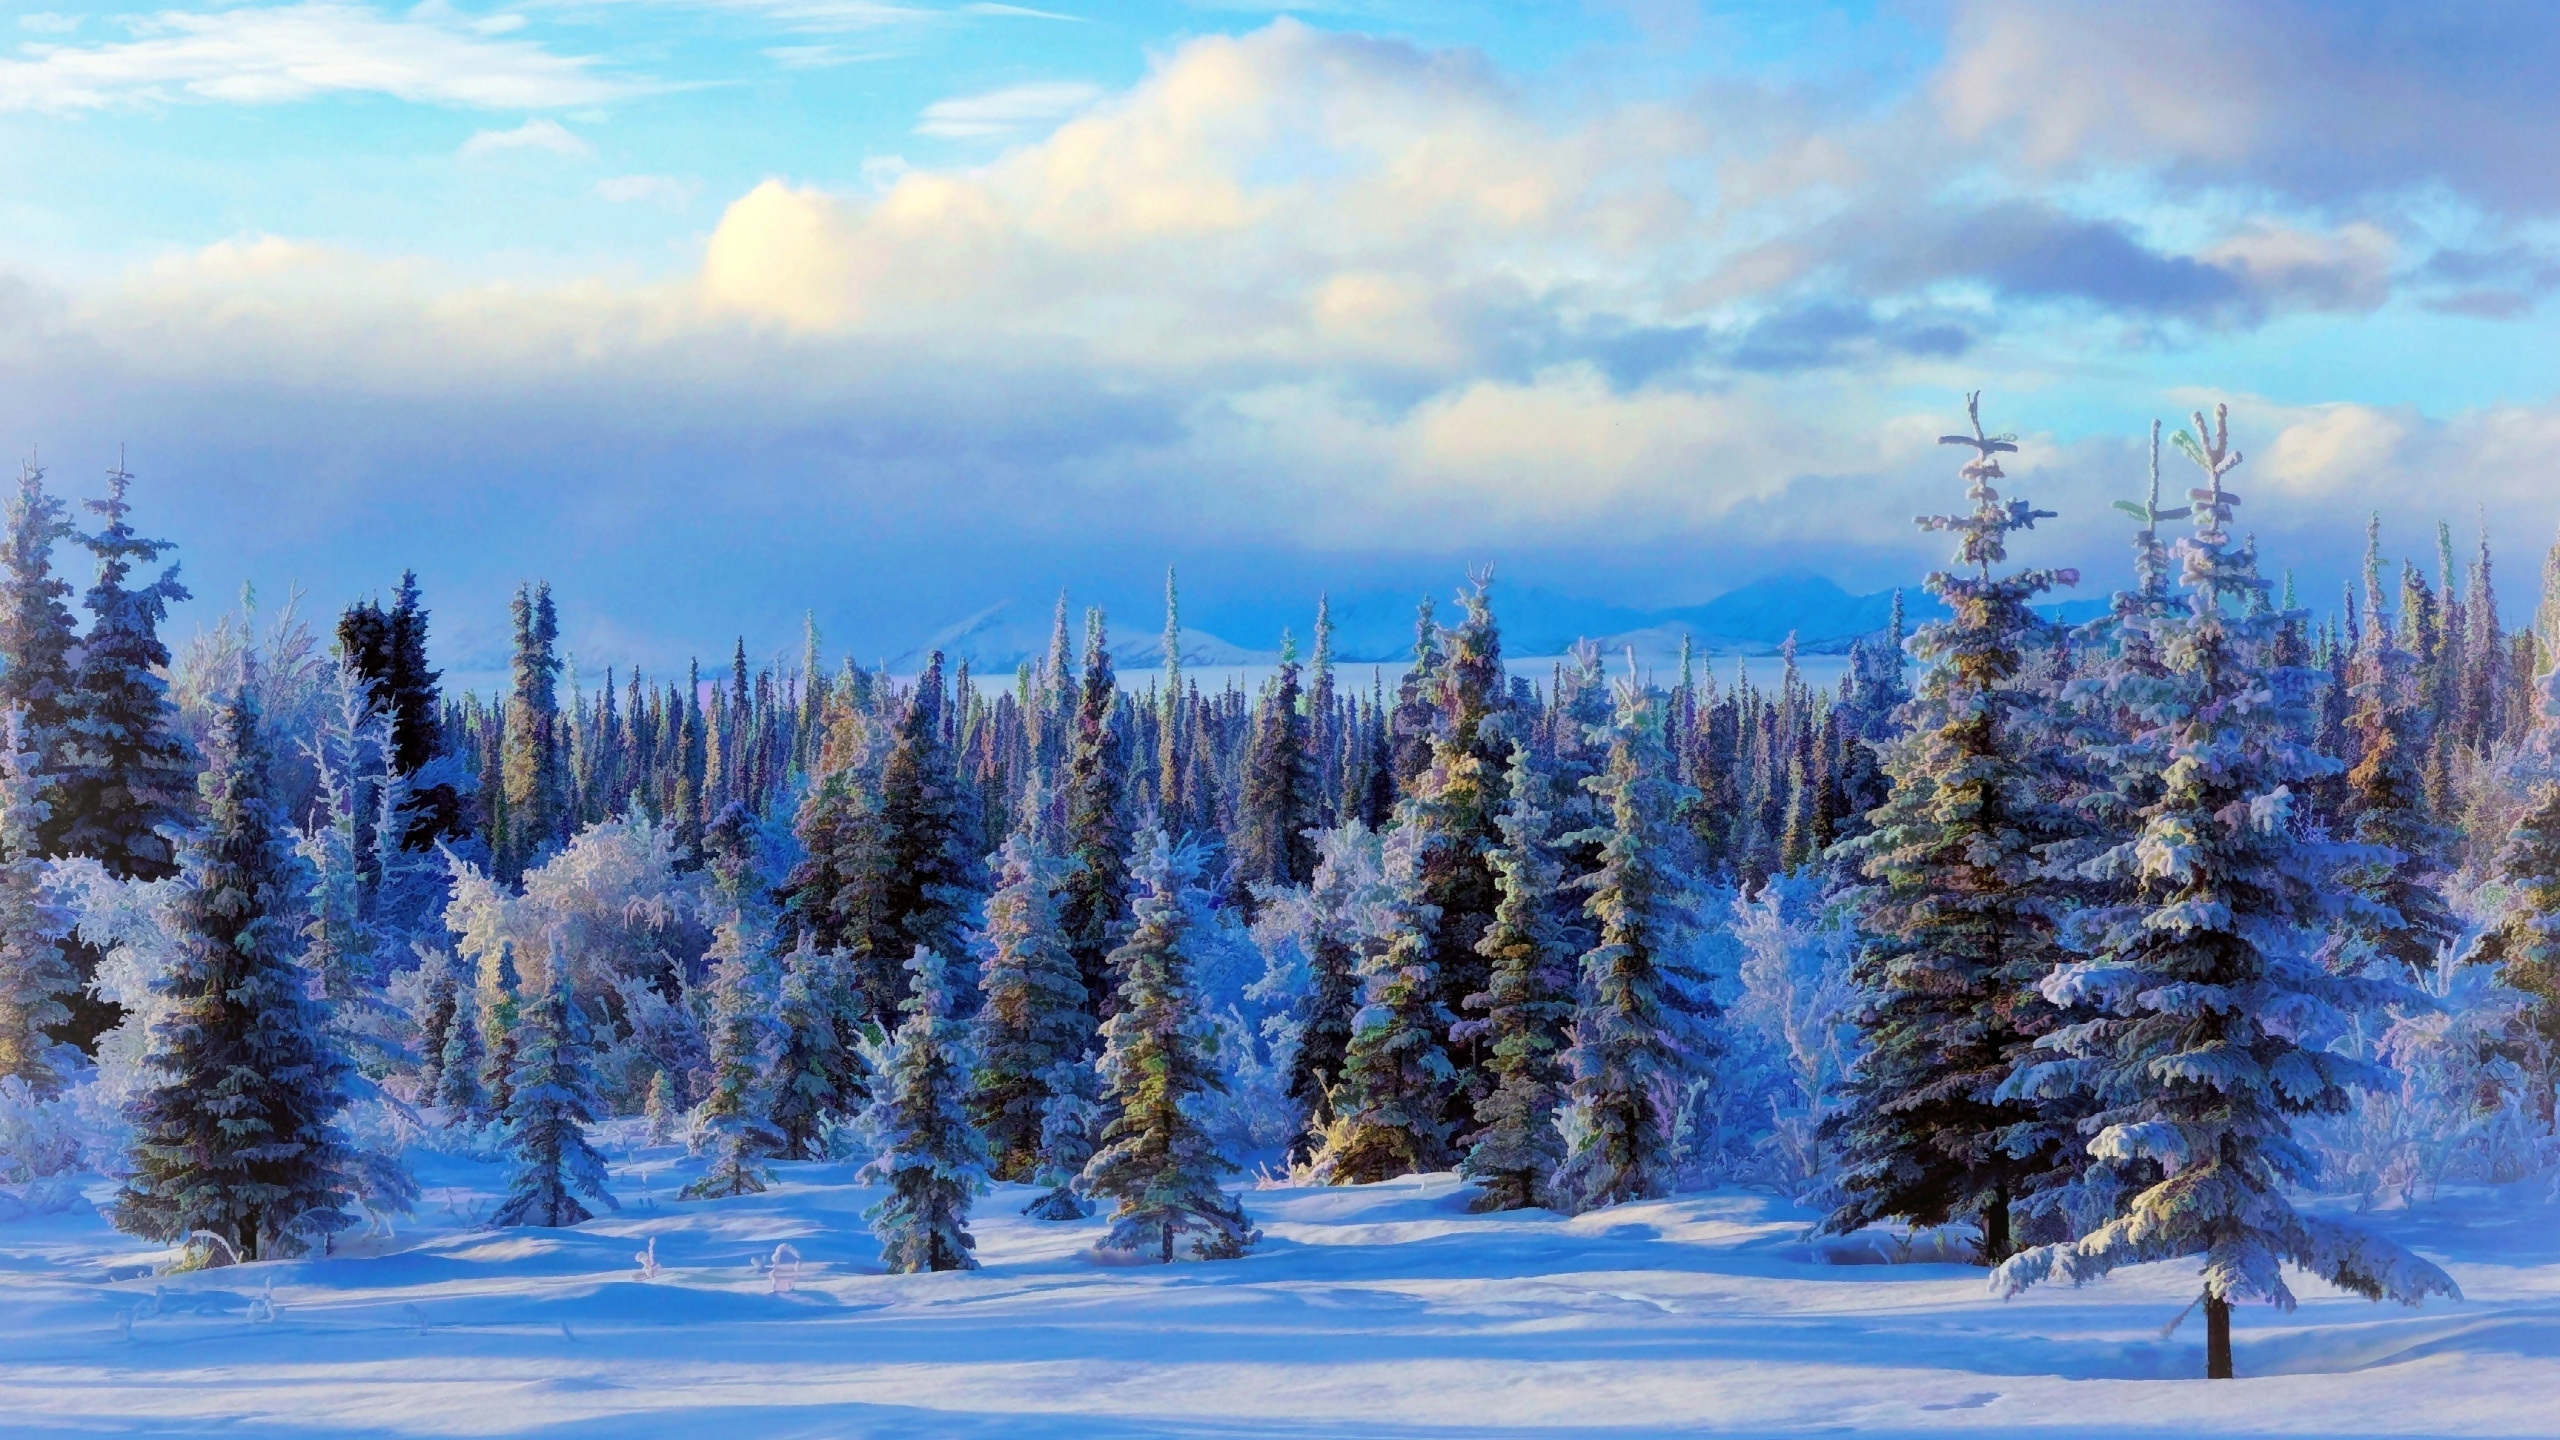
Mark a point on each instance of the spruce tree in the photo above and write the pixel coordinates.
(34, 976)
(235, 1133)
(1391, 1103)
(1959, 909)
(1327, 1009)
(534, 776)
(923, 1148)
(1276, 803)
(658, 1112)
(1158, 1164)
(458, 1090)
(745, 991)
(37, 638)
(2526, 944)
(806, 1081)
(1095, 895)
(1031, 1016)
(1526, 1006)
(125, 769)
(551, 1105)
(925, 891)
(1633, 1046)
(388, 647)
(2198, 988)
(2386, 800)
(1068, 1118)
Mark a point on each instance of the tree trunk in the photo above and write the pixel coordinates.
(1168, 1240)
(2217, 1338)
(1996, 1244)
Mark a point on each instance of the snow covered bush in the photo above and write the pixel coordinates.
(1790, 1038)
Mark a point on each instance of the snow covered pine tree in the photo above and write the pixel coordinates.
(2200, 982)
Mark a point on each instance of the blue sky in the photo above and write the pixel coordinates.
(715, 311)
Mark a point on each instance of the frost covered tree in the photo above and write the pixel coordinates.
(1031, 1014)
(1158, 1164)
(1095, 894)
(459, 1062)
(924, 1150)
(658, 1112)
(235, 1133)
(125, 771)
(1275, 798)
(552, 1104)
(1960, 909)
(1391, 1102)
(1068, 1119)
(1328, 932)
(1634, 1040)
(733, 1116)
(925, 889)
(34, 976)
(1526, 1006)
(2526, 944)
(38, 642)
(2198, 984)
(806, 1075)
(533, 815)
(2386, 798)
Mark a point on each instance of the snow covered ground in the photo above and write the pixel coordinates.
(1379, 1311)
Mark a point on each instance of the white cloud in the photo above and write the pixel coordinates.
(45, 22)
(1005, 112)
(648, 189)
(271, 55)
(545, 135)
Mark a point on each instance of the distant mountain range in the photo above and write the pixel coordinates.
(1374, 627)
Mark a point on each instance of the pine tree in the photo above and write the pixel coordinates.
(1032, 1015)
(497, 1004)
(1068, 1118)
(2195, 985)
(235, 1135)
(34, 976)
(534, 776)
(923, 1148)
(1277, 799)
(1962, 914)
(1526, 1005)
(1632, 1045)
(2386, 799)
(925, 880)
(1327, 1009)
(459, 1061)
(1462, 794)
(745, 990)
(2526, 945)
(124, 773)
(551, 1105)
(1158, 1164)
(807, 1076)
(659, 1112)
(1391, 1103)
(1095, 894)
(389, 649)
(37, 638)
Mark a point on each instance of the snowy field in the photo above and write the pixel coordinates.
(1386, 1310)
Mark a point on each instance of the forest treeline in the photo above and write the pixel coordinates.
(2104, 941)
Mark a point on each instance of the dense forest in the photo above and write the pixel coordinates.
(2099, 943)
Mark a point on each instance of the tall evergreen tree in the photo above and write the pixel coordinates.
(37, 639)
(1158, 1164)
(923, 871)
(1276, 803)
(1961, 913)
(534, 773)
(1327, 1009)
(2526, 944)
(923, 1149)
(1391, 1102)
(1032, 1015)
(551, 1105)
(1633, 1045)
(34, 976)
(125, 771)
(1095, 894)
(810, 1069)
(2199, 991)
(388, 647)
(1526, 1006)
(235, 1134)
(2386, 801)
